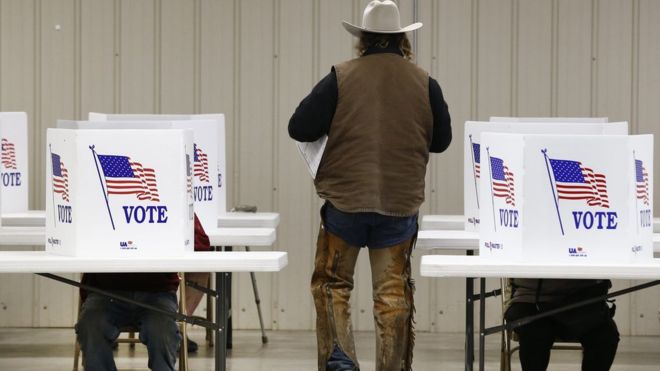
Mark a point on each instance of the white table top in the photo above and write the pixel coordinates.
(477, 266)
(219, 237)
(37, 218)
(248, 220)
(463, 240)
(24, 236)
(447, 240)
(456, 222)
(211, 261)
(442, 222)
(242, 236)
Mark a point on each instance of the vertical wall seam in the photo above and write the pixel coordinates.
(554, 58)
(157, 55)
(36, 132)
(116, 57)
(316, 61)
(515, 38)
(275, 66)
(37, 124)
(595, 17)
(237, 99)
(634, 86)
(275, 150)
(197, 57)
(474, 61)
(77, 59)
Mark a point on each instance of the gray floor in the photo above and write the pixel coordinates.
(52, 349)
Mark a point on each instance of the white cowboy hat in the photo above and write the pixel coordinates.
(380, 16)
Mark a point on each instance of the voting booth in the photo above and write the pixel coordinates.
(119, 193)
(598, 120)
(566, 198)
(204, 160)
(14, 182)
(220, 158)
(472, 143)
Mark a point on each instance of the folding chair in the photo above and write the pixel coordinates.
(506, 351)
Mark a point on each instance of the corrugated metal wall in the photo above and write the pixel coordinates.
(254, 60)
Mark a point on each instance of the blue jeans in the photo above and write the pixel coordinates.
(368, 229)
(101, 317)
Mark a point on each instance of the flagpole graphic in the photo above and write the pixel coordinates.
(490, 181)
(554, 196)
(52, 186)
(102, 187)
(474, 171)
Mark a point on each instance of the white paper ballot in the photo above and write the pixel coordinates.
(312, 152)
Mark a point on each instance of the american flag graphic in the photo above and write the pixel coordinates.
(8, 154)
(124, 176)
(476, 149)
(642, 180)
(60, 177)
(503, 183)
(201, 167)
(574, 181)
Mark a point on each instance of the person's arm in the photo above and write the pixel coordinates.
(314, 114)
(441, 120)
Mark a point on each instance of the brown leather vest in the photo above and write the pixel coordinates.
(378, 145)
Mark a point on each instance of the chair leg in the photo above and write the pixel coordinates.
(209, 314)
(257, 300)
(183, 349)
(76, 355)
(131, 335)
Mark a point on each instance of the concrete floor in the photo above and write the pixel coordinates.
(52, 349)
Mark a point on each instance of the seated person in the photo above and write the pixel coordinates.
(101, 317)
(592, 325)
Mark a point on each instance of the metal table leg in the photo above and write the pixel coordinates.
(221, 318)
(469, 324)
(482, 322)
(469, 321)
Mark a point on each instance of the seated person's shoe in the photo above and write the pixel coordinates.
(192, 346)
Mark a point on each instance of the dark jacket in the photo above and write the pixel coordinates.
(313, 116)
(532, 290)
(382, 115)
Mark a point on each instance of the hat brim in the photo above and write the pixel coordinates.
(357, 30)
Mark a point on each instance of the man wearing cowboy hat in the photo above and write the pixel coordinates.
(383, 115)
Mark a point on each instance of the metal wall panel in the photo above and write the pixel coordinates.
(17, 93)
(533, 58)
(645, 305)
(255, 60)
(178, 54)
(255, 131)
(138, 48)
(574, 53)
(296, 54)
(57, 67)
(98, 57)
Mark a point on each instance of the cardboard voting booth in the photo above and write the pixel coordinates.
(598, 120)
(220, 159)
(566, 198)
(13, 162)
(119, 193)
(204, 160)
(472, 160)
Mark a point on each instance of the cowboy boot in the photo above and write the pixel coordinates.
(332, 283)
(394, 308)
